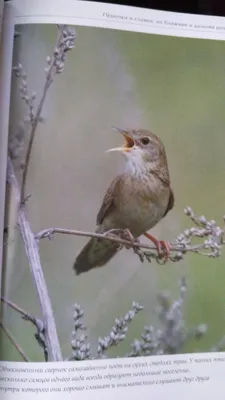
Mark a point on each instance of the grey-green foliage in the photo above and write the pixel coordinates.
(170, 338)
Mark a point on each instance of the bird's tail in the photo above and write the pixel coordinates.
(96, 253)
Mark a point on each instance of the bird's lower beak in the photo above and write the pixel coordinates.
(128, 142)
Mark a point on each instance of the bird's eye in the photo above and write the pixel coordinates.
(145, 140)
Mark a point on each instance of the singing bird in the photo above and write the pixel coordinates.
(136, 200)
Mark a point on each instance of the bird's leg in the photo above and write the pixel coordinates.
(123, 234)
(161, 245)
(127, 235)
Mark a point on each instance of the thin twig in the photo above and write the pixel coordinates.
(48, 233)
(16, 308)
(36, 118)
(14, 342)
(33, 256)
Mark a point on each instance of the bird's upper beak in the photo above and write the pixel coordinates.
(128, 142)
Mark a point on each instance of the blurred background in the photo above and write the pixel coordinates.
(173, 86)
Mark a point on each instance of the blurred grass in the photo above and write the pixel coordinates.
(174, 86)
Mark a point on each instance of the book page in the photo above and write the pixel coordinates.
(6, 50)
(114, 244)
(165, 377)
(1, 16)
(120, 17)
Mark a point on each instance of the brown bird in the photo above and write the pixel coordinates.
(136, 200)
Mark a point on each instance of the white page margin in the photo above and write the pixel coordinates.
(114, 16)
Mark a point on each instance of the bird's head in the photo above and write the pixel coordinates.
(141, 147)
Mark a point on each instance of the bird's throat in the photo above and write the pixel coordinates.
(137, 168)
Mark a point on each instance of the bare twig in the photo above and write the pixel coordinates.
(40, 334)
(14, 342)
(16, 308)
(64, 42)
(33, 256)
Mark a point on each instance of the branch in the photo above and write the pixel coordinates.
(64, 42)
(40, 334)
(33, 257)
(55, 65)
(48, 233)
(204, 229)
(14, 342)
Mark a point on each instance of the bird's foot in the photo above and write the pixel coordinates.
(163, 247)
(124, 234)
(113, 232)
(164, 250)
(127, 235)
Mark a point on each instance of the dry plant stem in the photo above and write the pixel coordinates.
(15, 307)
(33, 256)
(36, 322)
(14, 342)
(48, 233)
(48, 81)
(24, 314)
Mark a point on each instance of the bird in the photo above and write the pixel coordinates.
(136, 200)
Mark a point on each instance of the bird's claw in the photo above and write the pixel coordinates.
(163, 249)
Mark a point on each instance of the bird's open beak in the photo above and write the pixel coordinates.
(128, 142)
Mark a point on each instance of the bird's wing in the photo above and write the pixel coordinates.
(170, 203)
(108, 203)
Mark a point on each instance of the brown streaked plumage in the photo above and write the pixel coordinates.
(136, 200)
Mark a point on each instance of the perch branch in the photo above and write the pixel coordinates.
(14, 342)
(205, 229)
(40, 334)
(48, 233)
(33, 257)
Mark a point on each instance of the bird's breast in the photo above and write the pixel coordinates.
(139, 204)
